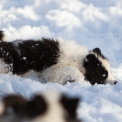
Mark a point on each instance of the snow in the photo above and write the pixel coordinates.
(91, 23)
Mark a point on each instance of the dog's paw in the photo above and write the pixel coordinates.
(69, 79)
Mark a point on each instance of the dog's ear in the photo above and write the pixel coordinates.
(36, 106)
(97, 51)
(70, 105)
(15, 102)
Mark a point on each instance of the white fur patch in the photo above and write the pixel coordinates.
(1, 107)
(30, 73)
(62, 74)
(4, 39)
(110, 79)
(72, 54)
(4, 68)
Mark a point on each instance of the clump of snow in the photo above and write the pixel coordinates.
(90, 23)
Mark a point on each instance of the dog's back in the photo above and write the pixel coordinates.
(22, 56)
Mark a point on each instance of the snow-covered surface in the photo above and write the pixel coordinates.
(91, 23)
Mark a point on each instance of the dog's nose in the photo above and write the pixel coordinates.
(115, 82)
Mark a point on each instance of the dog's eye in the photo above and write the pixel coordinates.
(98, 64)
(104, 75)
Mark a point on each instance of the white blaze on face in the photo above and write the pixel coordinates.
(110, 79)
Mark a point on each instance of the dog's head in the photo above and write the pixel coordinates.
(51, 106)
(97, 68)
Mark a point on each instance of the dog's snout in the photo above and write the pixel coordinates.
(115, 82)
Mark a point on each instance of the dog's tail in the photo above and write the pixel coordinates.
(2, 36)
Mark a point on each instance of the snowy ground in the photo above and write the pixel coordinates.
(92, 23)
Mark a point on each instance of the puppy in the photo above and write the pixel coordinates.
(55, 61)
(51, 106)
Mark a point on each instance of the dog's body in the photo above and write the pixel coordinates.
(50, 106)
(54, 60)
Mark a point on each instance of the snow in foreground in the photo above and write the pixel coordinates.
(99, 103)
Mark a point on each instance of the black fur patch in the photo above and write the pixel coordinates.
(30, 54)
(25, 108)
(95, 72)
(36, 106)
(16, 102)
(70, 105)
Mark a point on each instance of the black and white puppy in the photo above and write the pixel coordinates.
(51, 106)
(54, 60)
